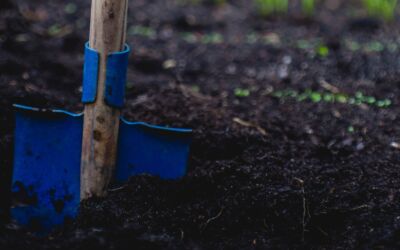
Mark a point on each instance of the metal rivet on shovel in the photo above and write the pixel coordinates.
(61, 157)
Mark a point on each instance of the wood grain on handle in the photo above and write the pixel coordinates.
(101, 122)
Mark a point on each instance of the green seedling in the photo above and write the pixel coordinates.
(341, 98)
(316, 97)
(285, 93)
(193, 2)
(308, 7)
(219, 2)
(302, 97)
(329, 97)
(270, 7)
(353, 101)
(70, 8)
(281, 6)
(370, 100)
(196, 2)
(272, 39)
(392, 47)
(374, 46)
(384, 103)
(352, 45)
(239, 92)
(322, 51)
(384, 9)
(291, 93)
(189, 37)
(142, 31)
(278, 94)
(304, 44)
(313, 46)
(212, 38)
(54, 30)
(252, 38)
(195, 88)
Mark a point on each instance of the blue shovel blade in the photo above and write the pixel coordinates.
(47, 153)
(154, 150)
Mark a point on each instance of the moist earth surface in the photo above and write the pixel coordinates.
(296, 136)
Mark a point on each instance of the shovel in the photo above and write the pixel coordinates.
(61, 158)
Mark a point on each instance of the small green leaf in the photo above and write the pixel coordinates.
(370, 100)
(142, 31)
(329, 97)
(341, 98)
(304, 44)
(278, 94)
(70, 8)
(291, 93)
(359, 95)
(380, 104)
(252, 38)
(323, 51)
(384, 103)
(392, 47)
(353, 46)
(54, 30)
(195, 88)
(352, 101)
(212, 38)
(308, 7)
(387, 102)
(374, 46)
(189, 37)
(316, 97)
(239, 92)
(302, 97)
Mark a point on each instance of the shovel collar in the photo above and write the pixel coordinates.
(117, 66)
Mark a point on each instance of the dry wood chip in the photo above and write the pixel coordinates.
(395, 145)
(329, 87)
(250, 125)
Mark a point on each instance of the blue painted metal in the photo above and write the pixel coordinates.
(90, 75)
(154, 150)
(46, 179)
(117, 66)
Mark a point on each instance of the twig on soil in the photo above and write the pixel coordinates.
(269, 90)
(117, 189)
(267, 228)
(395, 145)
(139, 100)
(263, 157)
(250, 125)
(212, 219)
(303, 193)
(188, 93)
(360, 207)
(329, 87)
(323, 232)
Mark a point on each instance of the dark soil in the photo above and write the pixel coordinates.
(265, 172)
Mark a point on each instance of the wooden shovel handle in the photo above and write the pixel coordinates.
(101, 122)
